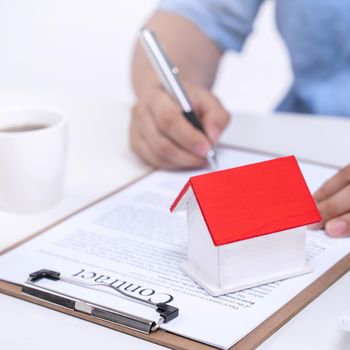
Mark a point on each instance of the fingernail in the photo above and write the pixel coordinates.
(214, 133)
(337, 227)
(202, 149)
(317, 226)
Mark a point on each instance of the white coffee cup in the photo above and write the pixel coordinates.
(33, 142)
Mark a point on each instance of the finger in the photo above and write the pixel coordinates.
(139, 146)
(213, 115)
(173, 125)
(169, 152)
(339, 227)
(165, 153)
(333, 185)
(336, 205)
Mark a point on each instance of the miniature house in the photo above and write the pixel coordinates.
(245, 225)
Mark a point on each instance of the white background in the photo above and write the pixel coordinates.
(82, 49)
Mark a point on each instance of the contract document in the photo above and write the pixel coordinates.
(132, 241)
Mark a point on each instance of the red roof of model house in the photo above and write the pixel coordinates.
(253, 200)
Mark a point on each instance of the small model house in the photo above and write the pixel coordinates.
(245, 225)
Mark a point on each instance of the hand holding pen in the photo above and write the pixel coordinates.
(171, 129)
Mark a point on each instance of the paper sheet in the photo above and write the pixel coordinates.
(132, 241)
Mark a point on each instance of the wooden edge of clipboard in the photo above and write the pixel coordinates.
(173, 341)
(274, 154)
(299, 302)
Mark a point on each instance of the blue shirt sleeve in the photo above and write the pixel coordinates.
(227, 22)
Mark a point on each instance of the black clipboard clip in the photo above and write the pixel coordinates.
(166, 312)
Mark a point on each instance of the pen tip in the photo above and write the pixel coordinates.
(211, 159)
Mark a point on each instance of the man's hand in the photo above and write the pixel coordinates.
(161, 135)
(333, 202)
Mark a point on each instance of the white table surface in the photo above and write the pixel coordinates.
(100, 160)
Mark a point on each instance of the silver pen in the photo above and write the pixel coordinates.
(168, 75)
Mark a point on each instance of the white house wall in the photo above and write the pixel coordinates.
(182, 204)
(252, 258)
(202, 254)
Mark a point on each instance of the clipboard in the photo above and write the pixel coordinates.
(170, 340)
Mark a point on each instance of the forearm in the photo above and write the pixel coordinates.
(196, 56)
